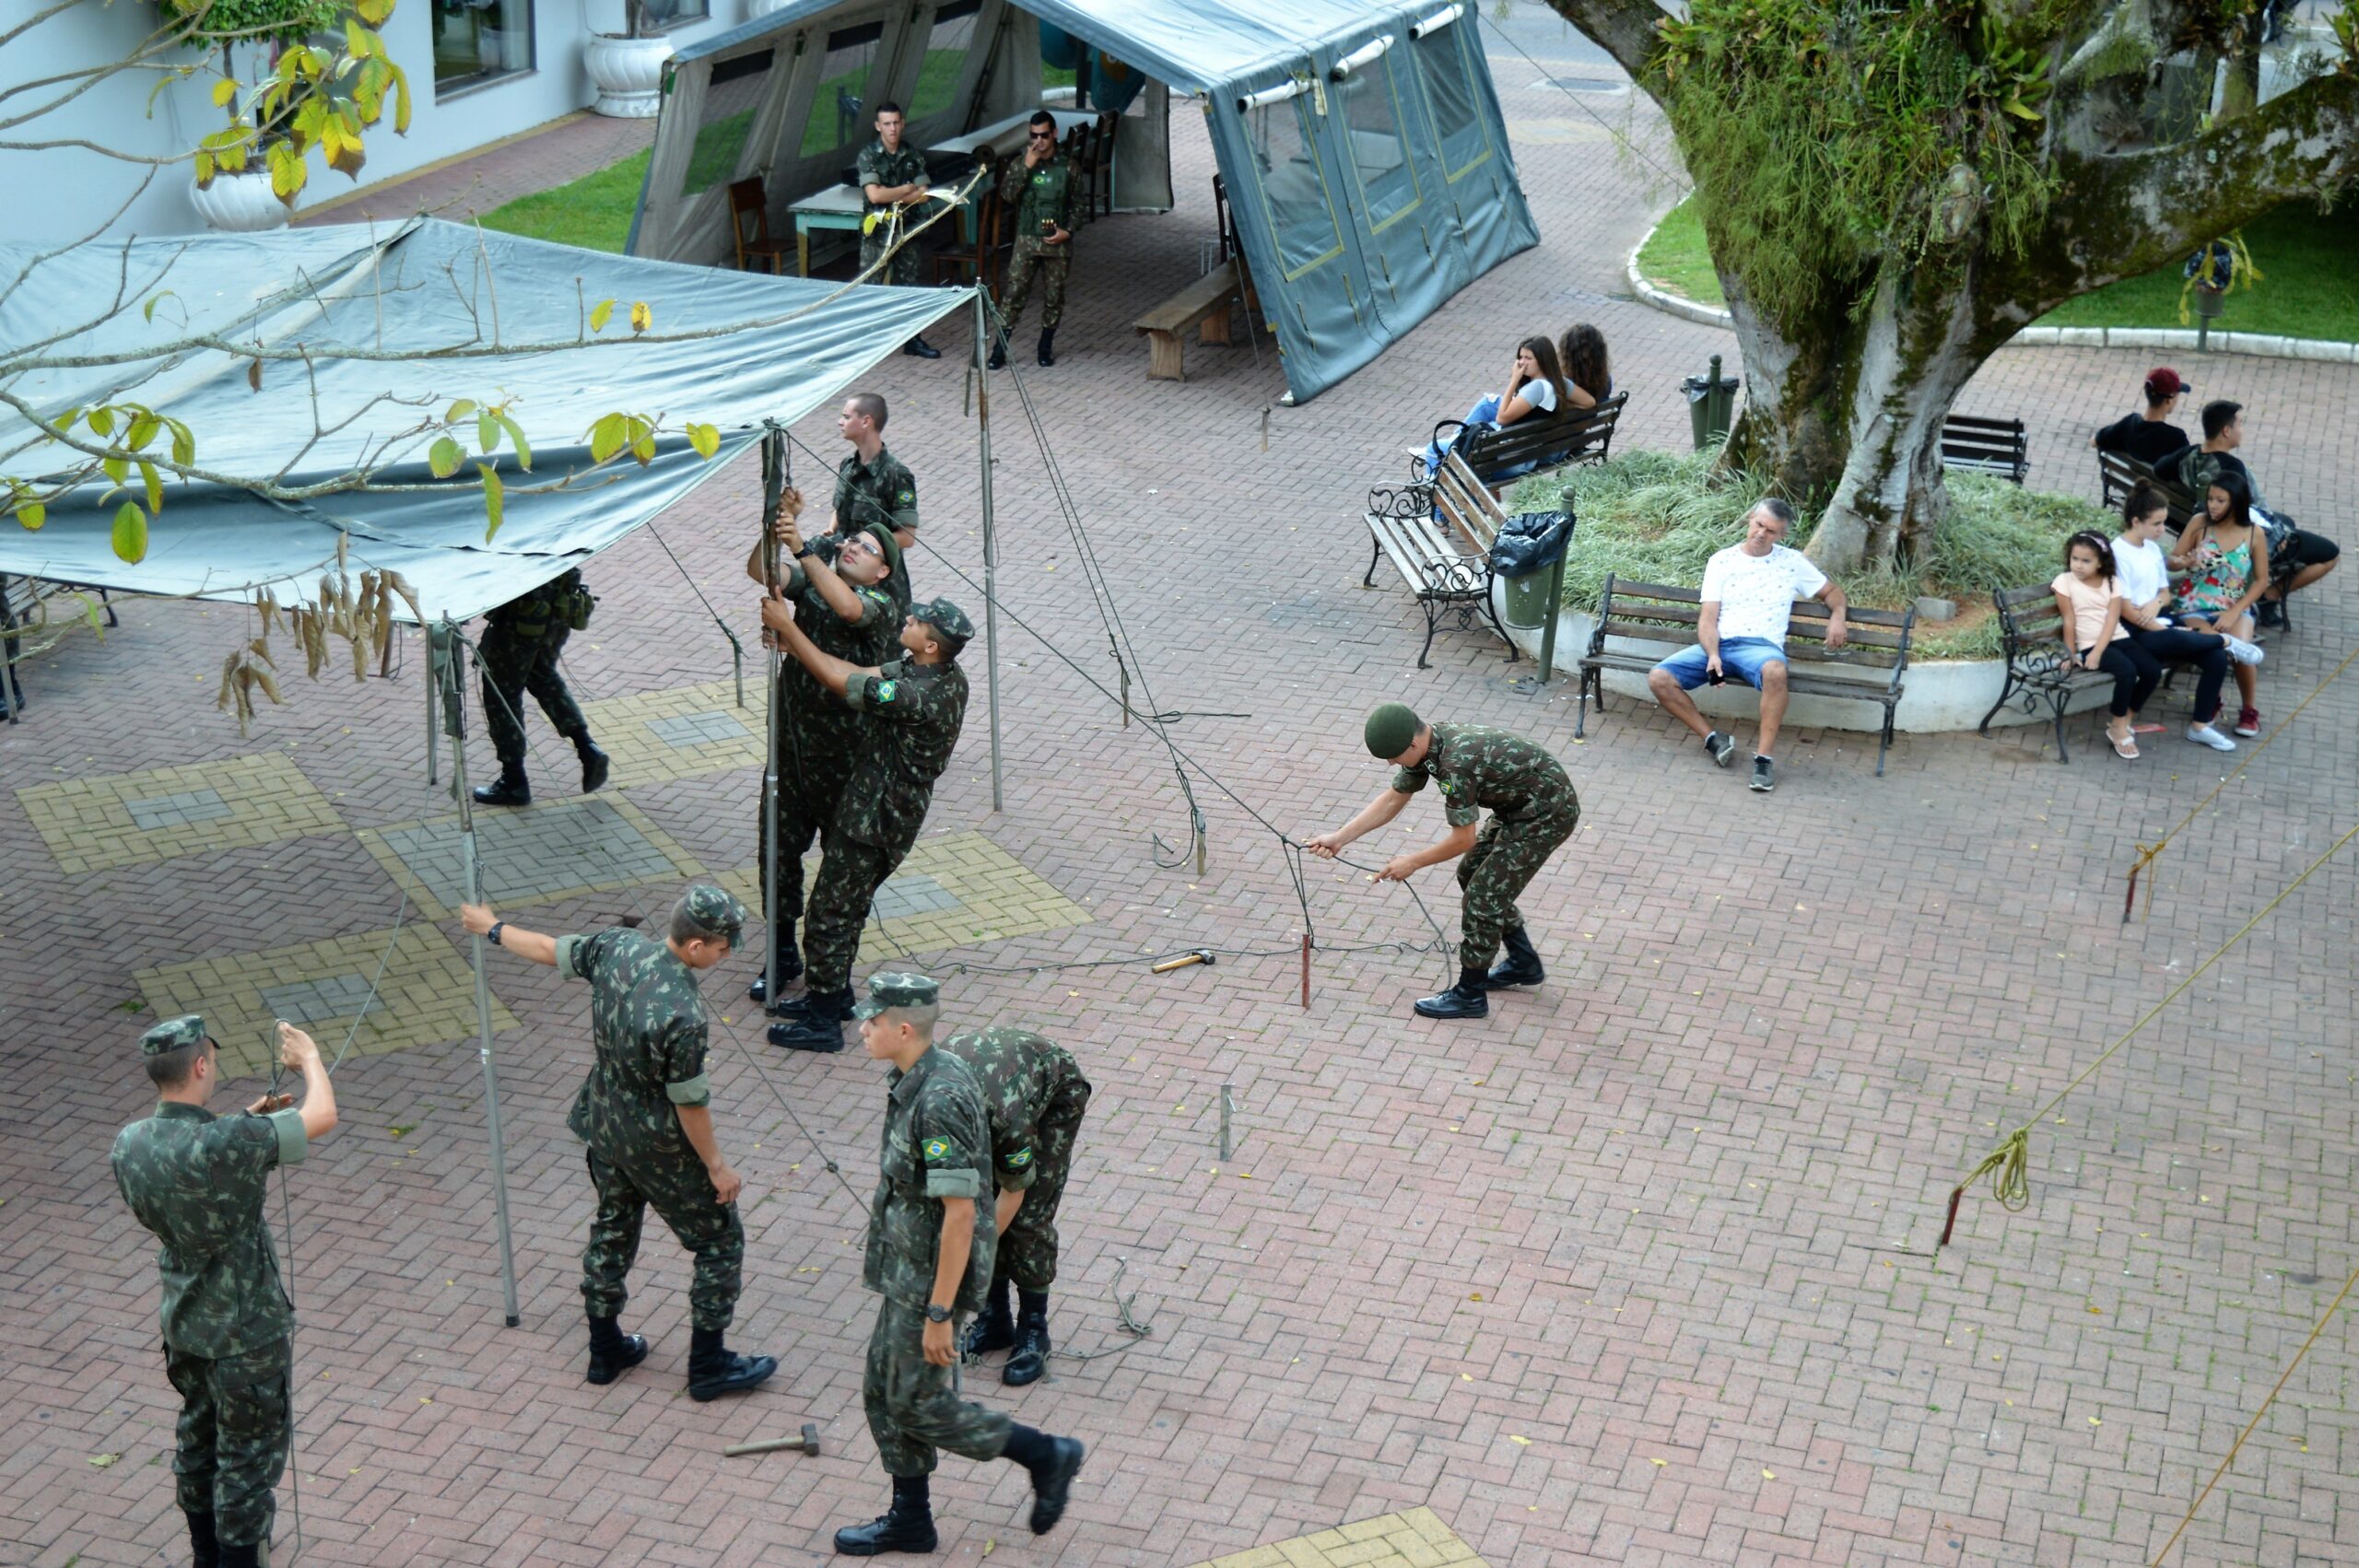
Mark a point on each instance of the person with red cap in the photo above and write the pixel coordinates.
(2149, 437)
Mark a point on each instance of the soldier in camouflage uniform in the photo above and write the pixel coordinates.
(892, 185)
(874, 486)
(198, 1181)
(1532, 809)
(1039, 192)
(645, 1112)
(521, 642)
(930, 1247)
(1034, 1095)
(849, 613)
(915, 706)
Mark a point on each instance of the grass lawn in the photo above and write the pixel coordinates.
(2309, 286)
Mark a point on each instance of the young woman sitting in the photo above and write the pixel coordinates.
(2143, 578)
(1536, 386)
(2225, 564)
(2086, 598)
(1588, 374)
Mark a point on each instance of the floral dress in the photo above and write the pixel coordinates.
(2217, 579)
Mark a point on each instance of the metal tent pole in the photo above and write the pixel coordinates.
(446, 646)
(774, 478)
(433, 725)
(990, 539)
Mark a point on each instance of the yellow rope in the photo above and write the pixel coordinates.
(2315, 1329)
(2149, 853)
(2011, 1160)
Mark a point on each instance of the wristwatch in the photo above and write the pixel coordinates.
(807, 550)
(492, 935)
(937, 1313)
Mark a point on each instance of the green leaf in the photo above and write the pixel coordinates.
(144, 427)
(459, 411)
(154, 482)
(101, 421)
(516, 438)
(600, 313)
(116, 468)
(32, 514)
(401, 92)
(130, 532)
(156, 300)
(705, 438)
(286, 172)
(184, 443)
(223, 91)
(606, 437)
(444, 457)
(643, 449)
(494, 499)
(486, 431)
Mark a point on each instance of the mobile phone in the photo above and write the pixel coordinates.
(1717, 677)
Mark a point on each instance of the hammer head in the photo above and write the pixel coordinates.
(811, 1437)
(1204, 956)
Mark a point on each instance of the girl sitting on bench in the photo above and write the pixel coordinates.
(1536, 385)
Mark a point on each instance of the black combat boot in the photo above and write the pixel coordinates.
(817, 1025)
(612, 1351)
(1053, 1461)
(999, 352)
(1465, 999)
(511, 789)
(1520, 967)
(908, 1528)
(205, 1548)
(714, 1370)
(1048, 345)
(994, 1326)
(918, 347)
(246, 1556)
(790, 969)
(1029, 1359)
(594, 762)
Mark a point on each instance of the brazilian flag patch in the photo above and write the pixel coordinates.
(909, 497)
(883, 691)
(1020, 1159)
(1449, 786)
(936, 1150)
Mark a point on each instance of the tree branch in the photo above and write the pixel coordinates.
(1623, 29)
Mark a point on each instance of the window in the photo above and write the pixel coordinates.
(945, 53)
(730, 96)
(839, 114)
(1449, 99)
(662, 16)
(1372, 125)
(1302, 219)
(480, 40)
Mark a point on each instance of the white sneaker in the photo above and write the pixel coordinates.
(2204, 735)
(2240, 650)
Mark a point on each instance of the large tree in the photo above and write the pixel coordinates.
(1891, 189)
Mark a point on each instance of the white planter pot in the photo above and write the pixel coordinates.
(240, 204)
(761, 7)
(628, 75)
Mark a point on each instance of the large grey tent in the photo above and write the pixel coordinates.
(726, 348)
(1362, 144)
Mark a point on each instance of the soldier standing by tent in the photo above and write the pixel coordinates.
(892, 182)
(198, 1181)
(873, 486)
(1040, 191)
(1035, 1096)
(848, 612)
(521, 642)
(915, 706)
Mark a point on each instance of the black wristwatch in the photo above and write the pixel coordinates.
(937, 1313)
(807, 550)
(492, 935)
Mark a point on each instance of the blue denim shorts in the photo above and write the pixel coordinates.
(1745, 656)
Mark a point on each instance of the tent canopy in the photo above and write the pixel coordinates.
(1361, 144)
(729, 349)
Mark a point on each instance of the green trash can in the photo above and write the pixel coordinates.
(1712, 404)
(1527, 598)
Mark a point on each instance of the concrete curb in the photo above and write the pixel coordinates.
(2173, 340)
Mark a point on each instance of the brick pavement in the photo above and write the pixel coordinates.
(1626, 1275)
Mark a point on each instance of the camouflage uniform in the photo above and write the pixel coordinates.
(1036, 1096)
(1034, 196)
(887, 491)
(1532, 809)
(647, 1023)
(198, 1181)
(914, 712)
(905, 167)
(521, 642)
(937, 1145)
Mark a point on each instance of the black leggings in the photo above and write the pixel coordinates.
(2207, 652)
(2135, 676)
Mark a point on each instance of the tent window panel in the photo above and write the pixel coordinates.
(1372, 122)
(730, 99)
(1449, 97)
(1302, 219)
(839, 114)
(946, 55)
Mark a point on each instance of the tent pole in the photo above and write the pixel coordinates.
(991, 540)
(470, 864)
(433, 728)
(775, 463)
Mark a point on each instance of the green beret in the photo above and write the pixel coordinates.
(174, 1034)
(1391, 729)
(713, 911)
(896, 988)
(948, 619)
(890, 546)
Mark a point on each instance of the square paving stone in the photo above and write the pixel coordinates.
(535, 855)
(178, 810)
(653, 737)
(954, 890)
(688, 730)
(163, 812)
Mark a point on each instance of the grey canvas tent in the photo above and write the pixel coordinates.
(1362, 145)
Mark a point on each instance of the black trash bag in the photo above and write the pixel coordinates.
(1529, 541)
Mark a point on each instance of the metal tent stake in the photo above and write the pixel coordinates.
(990, 539)
(445, 658)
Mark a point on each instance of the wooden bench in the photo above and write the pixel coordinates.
(1202, 306)
(2040, 668)
(20, 599)
(1875, 646)
(2118, 473)
(1531, 445)
(1438, 537)
(1986, 445)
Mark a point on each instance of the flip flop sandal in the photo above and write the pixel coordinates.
(2125, 749)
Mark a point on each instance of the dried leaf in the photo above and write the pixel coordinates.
(228, 675)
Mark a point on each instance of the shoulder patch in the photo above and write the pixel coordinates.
(937, 1149)
(1020, 1159)
(884, 691)
(908, 496)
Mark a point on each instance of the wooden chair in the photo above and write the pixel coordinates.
(1232, 250)
(747, 199)
(987, 257)
(1081, 153)
(1100, 190)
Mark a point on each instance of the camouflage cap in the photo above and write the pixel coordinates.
(713, 911)
(174, 1034)
(898, 988)
(1390, 730)
(946, 618)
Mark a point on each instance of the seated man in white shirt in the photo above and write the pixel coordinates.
(1749, 592)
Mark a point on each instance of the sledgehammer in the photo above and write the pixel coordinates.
(806, 1444)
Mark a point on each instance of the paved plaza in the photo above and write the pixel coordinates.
(1635, 1271)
